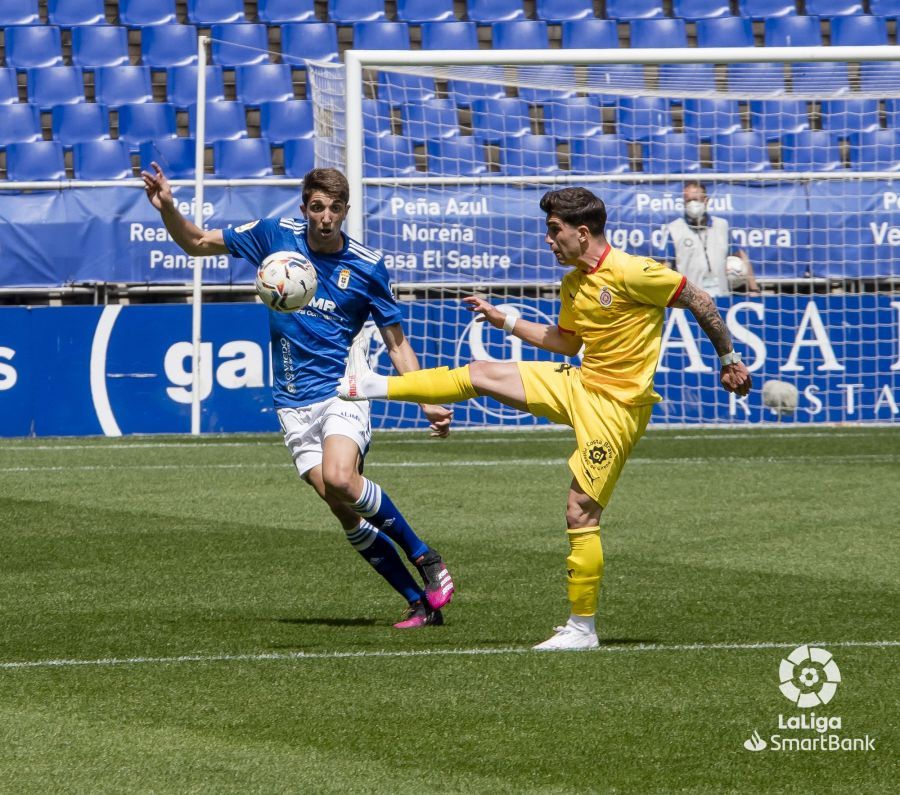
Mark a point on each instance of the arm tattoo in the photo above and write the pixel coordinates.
(708, 318)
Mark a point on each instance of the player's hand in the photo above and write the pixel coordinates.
(157, 187)
(736, 378)
(439, 418)
(486, 313)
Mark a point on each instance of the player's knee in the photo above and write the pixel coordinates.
(581, 511)
(482, 374)
(342, 483)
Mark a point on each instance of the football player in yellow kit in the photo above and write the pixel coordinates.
(613, 304)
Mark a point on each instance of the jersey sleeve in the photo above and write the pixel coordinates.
(252, 241)
(650, 282)
(566, 322)
(385, 311)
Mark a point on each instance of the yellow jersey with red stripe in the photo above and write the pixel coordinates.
(617, 309)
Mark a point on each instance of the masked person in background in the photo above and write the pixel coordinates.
(702, 249)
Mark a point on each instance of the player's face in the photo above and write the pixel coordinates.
(324, 215)
(565, 241)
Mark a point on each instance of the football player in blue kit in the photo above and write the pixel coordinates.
(327, 437)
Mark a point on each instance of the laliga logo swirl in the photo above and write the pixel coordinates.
(809, 676)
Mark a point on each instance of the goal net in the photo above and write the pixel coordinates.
(449, 154)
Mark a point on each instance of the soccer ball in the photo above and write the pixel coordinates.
(286, 281)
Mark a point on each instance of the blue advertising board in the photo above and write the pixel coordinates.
(127, 369)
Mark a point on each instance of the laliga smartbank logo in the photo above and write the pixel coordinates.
(809, 678)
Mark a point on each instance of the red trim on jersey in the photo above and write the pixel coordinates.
(564, 330)
(603, 256)
(674, 298)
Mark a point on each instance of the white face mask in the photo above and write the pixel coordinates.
(695, 209)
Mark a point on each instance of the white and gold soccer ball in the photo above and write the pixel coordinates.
(286, 281)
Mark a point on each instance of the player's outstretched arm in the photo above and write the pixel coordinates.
(734, 377)
(190, 238)
(550, 338)
(405, 360)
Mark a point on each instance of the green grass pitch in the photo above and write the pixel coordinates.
(183, 615)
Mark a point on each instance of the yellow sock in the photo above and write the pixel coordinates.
(440, 385)
(584, 568)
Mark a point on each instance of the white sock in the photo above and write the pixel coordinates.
(373, 385)
(582, 623)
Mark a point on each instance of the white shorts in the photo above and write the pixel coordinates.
(305, 429)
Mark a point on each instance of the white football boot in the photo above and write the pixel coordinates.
(569, 638)
(359, 382)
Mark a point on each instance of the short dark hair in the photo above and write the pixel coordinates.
(578, 207)
(693, 183)
(326, 180)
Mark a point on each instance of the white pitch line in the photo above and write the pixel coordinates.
(344, 655)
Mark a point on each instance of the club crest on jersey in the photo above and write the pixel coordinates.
(344, 279)
(606, 297)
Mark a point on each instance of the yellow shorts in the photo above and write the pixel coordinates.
(605, 429)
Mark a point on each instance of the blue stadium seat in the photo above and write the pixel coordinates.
(435, 118)
(639, 118)
(528, 156)
(590, 34)
(265, 82)
(561, 75)
(299, 157)
(616, 76)
(756, 78)
(764, 9)
(557, 11)
(706, 118)
(56, 85)
(672, 153)
(810, 150)
(244, 158)
(283, 121)
(793, 31)
(740, 152)
(75, 124)
(449, 36)
(461, 156)
(225, 121)
(122, 85)
(634, 9)
(658, 33)
(495, 10)
(398, 88)
(176, 156)
(690, 77)
(775, 117)
(35, 161)
(577, 117)
(520, 34)
(33, 47)
(19, 123)
(693, 10)
(833, 8)
(101, 160)
(240, 44)
(182, 85)
(418, 11)
(389, 156)
(818, 77)
(99, 45)
(725, 32)
(465, 92)
(68, 13)
(860, 30)
(24, 12)
(495, 119)
(277, 12)
(163, 46)
(346, 11)
(9, 87)
(876, 150)
(376, 119)
(141, 13)
(316, 41)
(879, 76)
(885, 8)
(599, 154)
(212, 12)
(380, 36)
(845, 117)
(146, 121)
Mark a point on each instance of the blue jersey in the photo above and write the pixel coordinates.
(309, 347)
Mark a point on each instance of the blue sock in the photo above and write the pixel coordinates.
(378, 508)
(383, 557)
